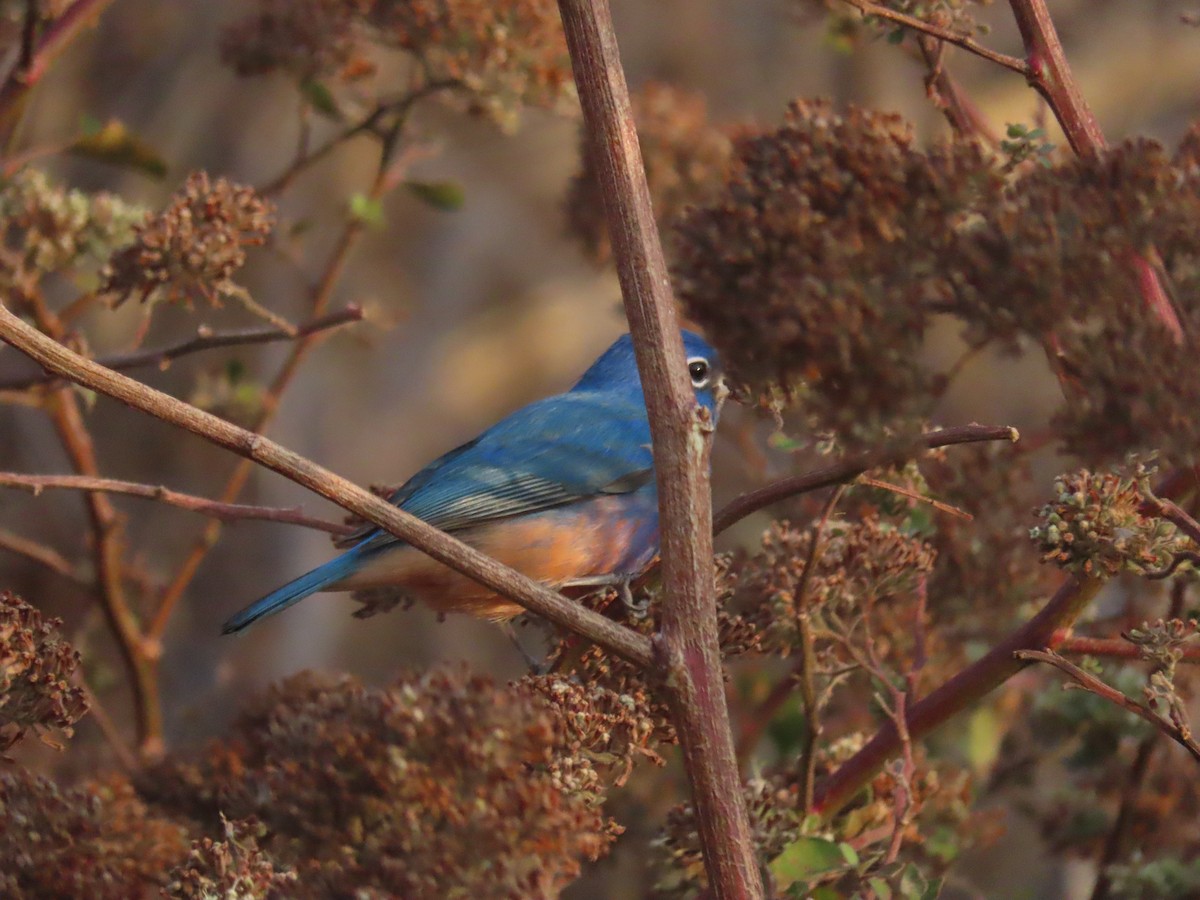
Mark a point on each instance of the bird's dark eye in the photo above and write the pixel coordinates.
(698, 369)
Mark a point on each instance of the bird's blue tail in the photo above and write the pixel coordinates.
(295, 591)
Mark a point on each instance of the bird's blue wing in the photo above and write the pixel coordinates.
(557, 451)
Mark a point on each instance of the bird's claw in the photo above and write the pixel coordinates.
(636, 608)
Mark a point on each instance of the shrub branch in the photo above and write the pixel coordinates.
(441, 546)
(687, 645)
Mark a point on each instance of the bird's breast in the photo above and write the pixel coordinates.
(598, 537)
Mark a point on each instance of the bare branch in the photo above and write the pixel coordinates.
(372, 123)
(204, 340)
(439, 545)
(1090, 683)
(226, 512)
(107, 546)
(1050, 75)
(847, 470)
(1116, 648)
(687, 646)
(41, 554)
(949, 35)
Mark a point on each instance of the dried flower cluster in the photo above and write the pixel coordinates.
(98, 840)
(306, 38)
(685, 156)
(1053, 255)
(192, 249)
(37, 668)
(1162, 644)
(822, 256)
(46, 228)
(857, 565)
(608, 729)
(838, 238)
(499, 56)
(441, 782)
(233, 868)
(1096, 525)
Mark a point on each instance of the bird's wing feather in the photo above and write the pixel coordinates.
(557, 451)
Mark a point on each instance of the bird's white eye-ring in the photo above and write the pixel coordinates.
(700, 371)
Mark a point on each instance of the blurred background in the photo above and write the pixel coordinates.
(471, 312)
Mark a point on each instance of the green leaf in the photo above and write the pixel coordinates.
(320, 98)
(367, 210)
(447, 196)
(116, 145)
(896, 37)
(804, 858)
(983, 739)
(915, 886)
(883, 890)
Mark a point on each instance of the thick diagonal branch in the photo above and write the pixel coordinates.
(441, 546)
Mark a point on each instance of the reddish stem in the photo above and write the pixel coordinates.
(1050, 75)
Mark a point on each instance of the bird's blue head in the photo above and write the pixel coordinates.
(616, 369)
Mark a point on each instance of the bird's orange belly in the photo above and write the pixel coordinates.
(554, 550)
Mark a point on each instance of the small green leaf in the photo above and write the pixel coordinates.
(896, 37)
(447, 196)
(116, 145)
(883, 890)
(804, 858)
(983, 739)
(320, 98)
(849, 854)
(367, 210)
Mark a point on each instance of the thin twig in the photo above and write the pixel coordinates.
(915, 497)
(107, 726)
(226, 512)
(955, 695)
(108, 539)
(807, 676)
(687, 648)
(369, 124)
(205, 339)
(441, 546)
(944, 91)
(849, 469)
(1116, 648)
(53, 40)
(949, 35)
(322, 294)
(1094, 685)
(1114, 843)
(40, 554)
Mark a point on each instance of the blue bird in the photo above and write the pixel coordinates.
(562, 490)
